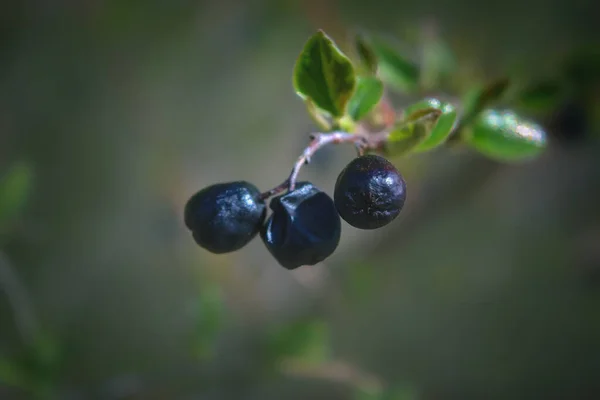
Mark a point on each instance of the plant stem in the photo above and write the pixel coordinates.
(362, 139)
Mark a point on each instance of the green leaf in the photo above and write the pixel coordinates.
(366, 54)
(15, 188)
(394, 69)
(442, 128)
(324, 75)
(483, 97)
(368, 93)
(542, 96)
(304, 340)
(502, 135)
(412, 131)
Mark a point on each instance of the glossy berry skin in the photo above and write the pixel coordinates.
(369, 192)
(304, 228)
(224, 217)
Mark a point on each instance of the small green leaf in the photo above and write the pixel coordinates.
(395, 69)
(324, 75)
(366, 54)
(412, 131)
(368, 93)
(483, 97)
(542, 96)
(502, 135)
(442, 128)
(15, 188)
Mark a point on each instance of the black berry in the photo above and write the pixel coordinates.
(224, 217)
(304, 227)
(369, 192)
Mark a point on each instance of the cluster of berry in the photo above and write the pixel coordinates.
(304, 227)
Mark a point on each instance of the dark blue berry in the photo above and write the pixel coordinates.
(369, 192)
(304, 228)
(224, 217)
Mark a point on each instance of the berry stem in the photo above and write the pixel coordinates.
(362, 139)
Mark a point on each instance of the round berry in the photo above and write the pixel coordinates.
(304, 228)
(369, 192)
(224, 217)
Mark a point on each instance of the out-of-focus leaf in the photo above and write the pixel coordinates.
(11, 374)
(368, 93)
(394, 69)
(35, 367)
(542, 96)
(360, 282)
(413, 130)
(46, 353)
(324, 75)
(439, 62)
(502, 135)
(483, 97)
(366, 54)
(15, 187)
(442, 128)
(306, 340)
(397, 392)
(582, 68)
(402, 392)
(368, 394)
(209, 318)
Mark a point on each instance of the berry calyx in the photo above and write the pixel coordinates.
(304, 228)
(369, 192)
(224, 217)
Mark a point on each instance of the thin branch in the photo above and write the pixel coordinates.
(19, 300)
(362, 139)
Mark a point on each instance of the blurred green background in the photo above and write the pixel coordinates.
(112, 113)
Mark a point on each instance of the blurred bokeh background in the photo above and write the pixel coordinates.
(112, 113)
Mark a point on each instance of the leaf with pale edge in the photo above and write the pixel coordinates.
(324, 75)
(412, 131)
(368, 93)
(504, 136)
(442, 128)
